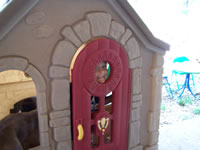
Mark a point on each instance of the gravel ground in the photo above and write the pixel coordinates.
(172, 112)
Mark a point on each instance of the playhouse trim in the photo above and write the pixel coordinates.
(13, 13)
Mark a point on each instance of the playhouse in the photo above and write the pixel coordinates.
(59, 44)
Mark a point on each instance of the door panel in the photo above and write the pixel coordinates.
(104, 130)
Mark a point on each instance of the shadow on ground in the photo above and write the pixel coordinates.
(183, 135)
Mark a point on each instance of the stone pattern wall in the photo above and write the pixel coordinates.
(154, 111)
(96, 24)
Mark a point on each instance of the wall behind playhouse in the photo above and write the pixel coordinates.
(14, 86)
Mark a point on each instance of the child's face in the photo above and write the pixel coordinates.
(101, 72)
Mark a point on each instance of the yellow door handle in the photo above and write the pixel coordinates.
(80, 132)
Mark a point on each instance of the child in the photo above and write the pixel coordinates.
(101, 76)
(101, 72)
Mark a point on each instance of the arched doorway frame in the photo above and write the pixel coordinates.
(94, 25)
(22, 64)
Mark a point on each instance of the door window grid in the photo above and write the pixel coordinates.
(101, 104)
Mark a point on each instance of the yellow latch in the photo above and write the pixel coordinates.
(80, 132)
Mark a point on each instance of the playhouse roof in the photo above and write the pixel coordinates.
(13, 13)
(19, 8)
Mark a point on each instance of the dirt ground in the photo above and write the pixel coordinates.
(171, 109)
(182, 135)
(180, 120)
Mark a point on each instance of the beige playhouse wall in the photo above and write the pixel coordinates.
(14, 86)
(35, 37)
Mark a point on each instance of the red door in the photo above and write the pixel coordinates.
(103, 125)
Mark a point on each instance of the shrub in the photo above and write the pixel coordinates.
(196, 111)
(162, 107)
(181, 102)
(187, 117)
(185, 100)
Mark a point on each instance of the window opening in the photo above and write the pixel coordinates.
(102, 72)
(19, 108)
(94, 105)
(108, 107)
(108, 103)
(94, 138)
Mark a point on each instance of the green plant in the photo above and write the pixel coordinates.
(186, 117)
(185, 100)
(181, 102)
(196, 111)
(162, 107)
